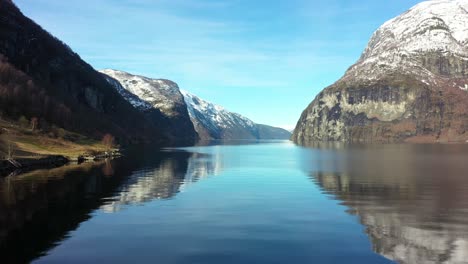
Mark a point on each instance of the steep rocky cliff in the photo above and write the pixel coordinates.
(160, 100)
(410, 84)
(41, 77)
(212, 121)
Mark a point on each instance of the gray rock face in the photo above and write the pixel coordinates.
(158, 93)
(410, 84)
(160, 100)
(214, 122)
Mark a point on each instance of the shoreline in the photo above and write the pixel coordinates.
(17, 166)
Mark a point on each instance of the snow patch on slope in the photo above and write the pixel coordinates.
(159, 93)
(437, 26)
(134, 100)
(214, 116)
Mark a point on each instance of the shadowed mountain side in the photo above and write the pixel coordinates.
(41, 77)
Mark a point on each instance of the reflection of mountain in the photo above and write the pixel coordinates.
(202, 165)
(39, 209)
(414, 204)
(171, 176)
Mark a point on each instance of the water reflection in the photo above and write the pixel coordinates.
(413, 199)
(40, 208)
(202, 165)
(172, 174)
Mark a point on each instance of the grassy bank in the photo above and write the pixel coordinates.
(21, 141)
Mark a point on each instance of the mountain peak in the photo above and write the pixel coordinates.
(410, 83)
(160, 93)
(400, 44)
(212, 121)
(160, 100)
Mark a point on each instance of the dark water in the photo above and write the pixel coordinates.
(254, 203)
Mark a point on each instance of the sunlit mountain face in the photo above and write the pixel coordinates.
(414, 204)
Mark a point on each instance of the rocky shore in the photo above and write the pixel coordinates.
(14, 166)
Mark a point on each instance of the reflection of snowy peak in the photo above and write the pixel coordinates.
(396, 233)
(172, 175)
(214, 122)
(146, 185)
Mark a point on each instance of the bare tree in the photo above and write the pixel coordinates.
(34, 123)
(9, 150)
(108, 141)
(8, 145)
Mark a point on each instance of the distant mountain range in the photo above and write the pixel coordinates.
(410, 84)
(45, 83)
(159, 100)
(214, 122)
(210, 121)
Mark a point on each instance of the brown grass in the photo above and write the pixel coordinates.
(35, 144)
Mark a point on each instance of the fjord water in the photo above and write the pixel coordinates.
(264, 202)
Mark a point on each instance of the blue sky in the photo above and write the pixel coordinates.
(264, 59)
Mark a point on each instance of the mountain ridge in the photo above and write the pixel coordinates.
(215, 122)
(159, 99)
(44, 79)
(162, 97)
(410, 84)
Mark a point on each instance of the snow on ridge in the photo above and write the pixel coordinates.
(212, 115)
(159, 93)
(134, 100)
(439, 26)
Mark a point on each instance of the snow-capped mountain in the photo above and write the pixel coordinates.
(134, 100)
(403, 43)
(410, 84)
(212, 121)
(160, 99)
(185, 114)
(159, 93)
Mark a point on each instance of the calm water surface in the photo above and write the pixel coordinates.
(270, 202)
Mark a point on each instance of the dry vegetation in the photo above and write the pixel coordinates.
(29, 142)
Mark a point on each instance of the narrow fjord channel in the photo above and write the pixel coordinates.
(264, 202)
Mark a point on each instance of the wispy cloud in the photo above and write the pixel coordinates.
(165, 36)
(205, 45)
